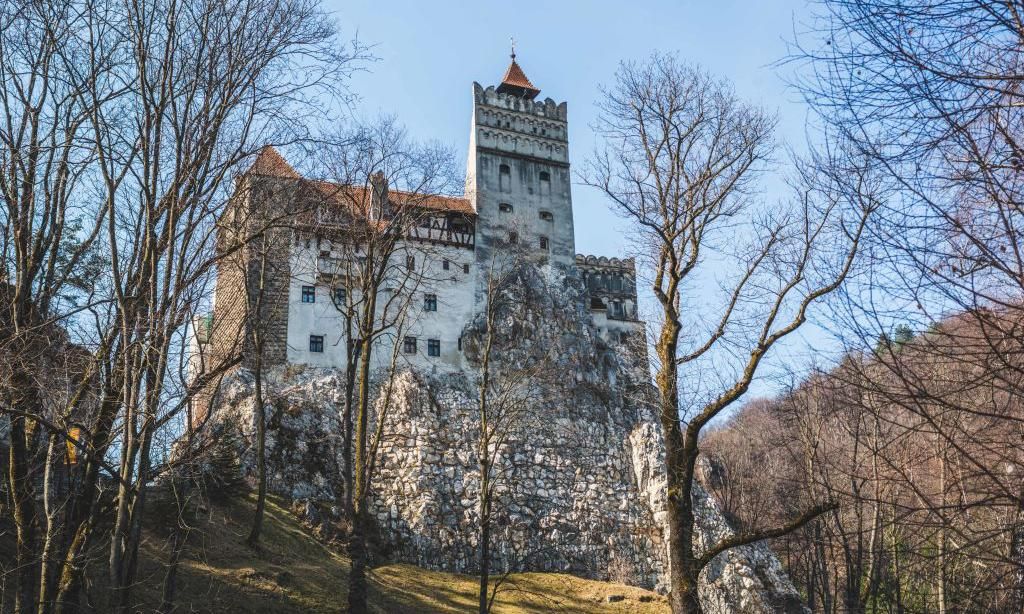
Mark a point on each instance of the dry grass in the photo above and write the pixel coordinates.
(292, 572)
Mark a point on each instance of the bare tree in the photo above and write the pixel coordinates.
(680, 161)
(384, 184)
(141, 114)
(514, 363)
(929, 94)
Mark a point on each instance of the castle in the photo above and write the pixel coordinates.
(517, 196)
(582, 488)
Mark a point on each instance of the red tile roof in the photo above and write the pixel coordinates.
(358, 195)
(516, 82)
(270, 163)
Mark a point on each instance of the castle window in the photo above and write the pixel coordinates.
(339, 296)
(544, 243)
(465, 268)
(460, 343)
(409, 345)
(505, 208)
(617, 311)
(504, 178)
(410, 263)
(433, 347)
(545, 183)
(429, 302)
(445, 264)
(513, 237)
(547, 216)
(308, 294)
(316, 343)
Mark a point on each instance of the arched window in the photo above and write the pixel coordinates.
(505, 208)
(505, 178)
(545, 183)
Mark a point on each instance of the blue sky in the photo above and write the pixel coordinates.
(429, 54)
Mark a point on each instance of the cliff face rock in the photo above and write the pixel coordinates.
(578, 481)
(580, 492)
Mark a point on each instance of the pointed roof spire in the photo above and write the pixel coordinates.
(515, 81)
(270, 162)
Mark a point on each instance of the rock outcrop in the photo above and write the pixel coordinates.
(579, 485)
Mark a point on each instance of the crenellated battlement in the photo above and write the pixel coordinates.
(611, 283)
(546, 108)
(626, 264)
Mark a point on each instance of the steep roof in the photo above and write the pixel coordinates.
(359, 195)
(270, 163)
(515, 82)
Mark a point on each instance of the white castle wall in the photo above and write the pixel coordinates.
(454, 289)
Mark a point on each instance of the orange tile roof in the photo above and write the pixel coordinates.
(272, 164)
(269, 162)
(516, 82)
(357, 195)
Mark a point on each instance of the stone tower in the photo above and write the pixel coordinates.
(517, 174)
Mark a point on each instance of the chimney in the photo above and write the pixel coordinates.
(378, 195)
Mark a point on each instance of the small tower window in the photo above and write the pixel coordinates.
(308, 294)
(544, 243)
(547, 216)
(433, 347)
(316, 344)
(545, 183)
(410, 263)
(513, 237)
(445, 264)
(465, 268)
(505, 208)
(504, 178)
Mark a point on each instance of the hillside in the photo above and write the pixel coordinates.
(295, 573)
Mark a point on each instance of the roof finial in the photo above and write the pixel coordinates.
(512, 40)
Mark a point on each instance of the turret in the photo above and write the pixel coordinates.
(518, 171)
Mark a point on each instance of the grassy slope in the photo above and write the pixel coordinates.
(294, 573)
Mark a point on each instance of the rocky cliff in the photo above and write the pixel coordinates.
(578, 481)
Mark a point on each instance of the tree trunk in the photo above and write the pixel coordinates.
(357, 544)
(46, 564)
(23, 500)
(357, 574)
(485, 538)
(680, 458)
(178, 538)
(346, 420)
(261, 462)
